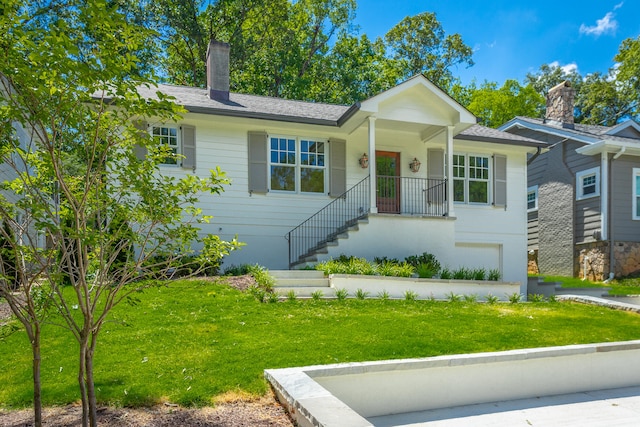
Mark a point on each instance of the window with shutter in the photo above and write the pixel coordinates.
(188, 146)
(140, 150)
(337, 167)
(499, 180)
(258, 164)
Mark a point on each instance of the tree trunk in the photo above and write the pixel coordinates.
(37, 386)
(90, 387)
(81, 382)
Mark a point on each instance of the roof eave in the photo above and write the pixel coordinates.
(502, 141)
(262, 116)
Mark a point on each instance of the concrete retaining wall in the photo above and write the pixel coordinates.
(424, 288)
(325, 395)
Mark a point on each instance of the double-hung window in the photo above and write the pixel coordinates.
(297, 164)
(471, 175)
(169, 136)
(532, 198)
(636, 193)
(588, 183)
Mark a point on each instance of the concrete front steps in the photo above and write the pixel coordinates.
(537, 285)
(315, 254)
(303, 282)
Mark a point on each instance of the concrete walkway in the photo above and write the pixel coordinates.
(606, 408)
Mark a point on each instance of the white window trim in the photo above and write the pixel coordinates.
(580, 179)
(178, 143)
(298, 164)
(467, 179)
(533, 189)
(634, 198)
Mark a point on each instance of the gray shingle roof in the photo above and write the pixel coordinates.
(579, 129)
(252, 106)
(483, 133)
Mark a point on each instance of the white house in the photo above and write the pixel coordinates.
(405, 172)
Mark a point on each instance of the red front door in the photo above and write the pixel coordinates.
(388, 181)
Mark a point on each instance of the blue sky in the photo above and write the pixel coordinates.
(513, 37)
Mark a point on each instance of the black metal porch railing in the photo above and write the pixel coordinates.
(398, 195)
(411, 196)
(327, 223)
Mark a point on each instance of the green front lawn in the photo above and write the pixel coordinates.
(191, 341)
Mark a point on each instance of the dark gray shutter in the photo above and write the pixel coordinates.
(140, 150)
(337, 167)
(435, 171)
(258, 165)
(499, 180)
(188, 139)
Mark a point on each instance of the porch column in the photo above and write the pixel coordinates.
(604, 194)
(451, 212)
(373, 207)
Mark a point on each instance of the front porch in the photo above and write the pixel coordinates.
(396, 196)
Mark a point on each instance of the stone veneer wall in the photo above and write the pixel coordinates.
(627, 258)
(597, 261)
(560, 103)
(532, 264)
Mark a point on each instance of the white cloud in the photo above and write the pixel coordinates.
(618, 6)
(606, 25)
(567, 68)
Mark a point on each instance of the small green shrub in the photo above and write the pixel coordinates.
(553, 298)
(494, 275)
(259, 293)
(426, 271)
(471, 298)
(291, 295)
(317, 294)
(341, 294)
(361, 294)
(491, 299)
(446, 274)
(535, 298)
(237, 270)
(272, 297)
(410, 295)
(424, 258)
(383, 295)
(262, 277)
(453, 297)
(384, 259)
(463, 273)
(479, 274)
(515, 298)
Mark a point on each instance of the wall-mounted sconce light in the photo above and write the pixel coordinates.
(414, 165)
(364, 161)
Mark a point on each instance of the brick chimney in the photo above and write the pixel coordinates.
(218, 70)
(560, 105)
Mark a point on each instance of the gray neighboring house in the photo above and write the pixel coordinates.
(583, 196)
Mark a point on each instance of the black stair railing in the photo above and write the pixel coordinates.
(408, 196)
(327, 223)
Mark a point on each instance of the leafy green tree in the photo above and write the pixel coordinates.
(495, 106)
(550, 75)
(418, 44)
(355, 69)
(628, 75)
(69, 90)
(601, 100)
